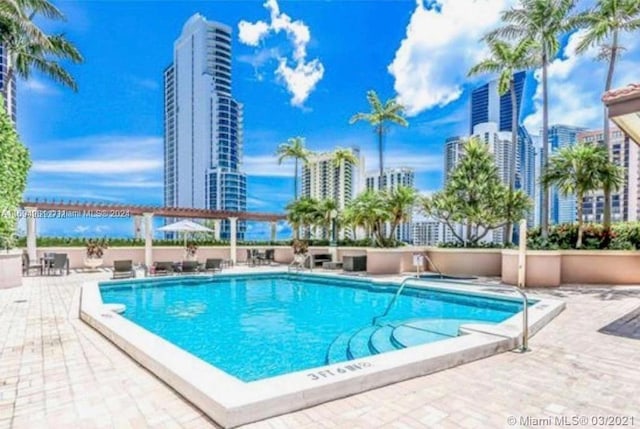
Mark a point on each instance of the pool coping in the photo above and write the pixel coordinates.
(231, 402)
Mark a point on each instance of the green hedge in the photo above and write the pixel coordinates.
(132, 242)
(480, 245)
(621, 236)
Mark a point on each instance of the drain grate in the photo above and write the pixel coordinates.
(19, 301)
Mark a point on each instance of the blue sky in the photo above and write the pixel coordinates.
(104, 143)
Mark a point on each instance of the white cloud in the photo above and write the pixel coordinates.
(101, 155)
(97, 166)
(37, 86)
(440, 46)
(301, 78)
(576, 84)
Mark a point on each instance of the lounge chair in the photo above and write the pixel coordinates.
(162, 268)
(27, 266)
(190, 266)
(270, 256)
(60, 263)
(123, 269)
(213, 265)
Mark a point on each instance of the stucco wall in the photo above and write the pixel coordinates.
(543, 269)
(466, 262)
(10, 269)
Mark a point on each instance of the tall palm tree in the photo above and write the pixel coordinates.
(324, 209)
(293, 149)
(604, 25)
(581, 169)
(29, 48)
(381, 114)
(542, 21)
(505, 61)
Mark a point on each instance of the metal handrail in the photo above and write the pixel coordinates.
(525, 308)
(426, 255)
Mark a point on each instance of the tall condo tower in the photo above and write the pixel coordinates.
(488, 106)
(203, 124)
(9, 83)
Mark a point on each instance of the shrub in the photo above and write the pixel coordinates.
(621, 236)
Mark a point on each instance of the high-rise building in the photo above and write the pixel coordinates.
(393, 178)
(487, 105)
(323, 179)
(624, 202)
(10, 100)
(203, 124)
(562, 208)
(453, 151)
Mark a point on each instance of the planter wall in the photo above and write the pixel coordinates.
(543, 269)
(466, 262)
(10, 269)
(600, 267)
(553, 268)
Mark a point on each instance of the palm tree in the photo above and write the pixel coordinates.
(302, 213)
(604, 25)
(400, 202)
(581, 169)
(542, 21)
(293, 149)
(506, 60)
(381, 114)
(29, 48)
(324, 209)
(370, 210)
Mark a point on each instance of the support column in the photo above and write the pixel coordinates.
(148, 239)
(522, 255)
(32, 249)
(233, 239)
(274, 231)
(137, 227)
(217, 228)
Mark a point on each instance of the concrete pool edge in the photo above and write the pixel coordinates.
(231, 402)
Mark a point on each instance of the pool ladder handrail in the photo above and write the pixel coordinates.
(525, 308)
(299, 265)
(429, 260)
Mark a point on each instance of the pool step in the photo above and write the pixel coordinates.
(359, 343)
(380, 340)
(337, 351)
(372, 340)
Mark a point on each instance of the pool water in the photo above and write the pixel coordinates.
(260, 326)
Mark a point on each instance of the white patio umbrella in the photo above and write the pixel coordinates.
(185, 226)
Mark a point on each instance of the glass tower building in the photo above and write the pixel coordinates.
(203, 124)
(487, 105)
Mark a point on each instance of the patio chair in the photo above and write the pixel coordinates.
(162, 268)
(213, 265)
(27, 266)
(270, 255)
(251, 261)
(123, 269)
(190, 266)
(60, 263)
(259, 257)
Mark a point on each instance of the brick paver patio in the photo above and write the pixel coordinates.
(56, 372)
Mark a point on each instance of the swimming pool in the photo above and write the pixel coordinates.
(260, 326)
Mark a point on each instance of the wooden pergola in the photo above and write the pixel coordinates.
(623, 105)
(140, 214)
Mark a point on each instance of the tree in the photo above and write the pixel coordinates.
(389, 112)
(14, 166)
(604, 25)
(29, 48)
(506, 60)
(293, 149)
(475, 197)
(581, 169)
(302, 213)
(370, 211)
(542, 21)
(400, 203)
(324, 209)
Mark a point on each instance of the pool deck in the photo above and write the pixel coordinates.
(55, 372)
